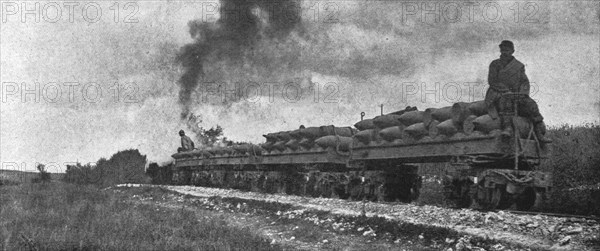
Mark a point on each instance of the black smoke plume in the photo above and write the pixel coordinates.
(234, 34)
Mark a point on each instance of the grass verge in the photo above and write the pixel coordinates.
(58, 216)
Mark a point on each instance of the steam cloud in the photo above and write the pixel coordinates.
(237, 30)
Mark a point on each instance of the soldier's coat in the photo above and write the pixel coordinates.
(510, 78)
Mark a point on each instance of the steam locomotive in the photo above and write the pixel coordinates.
(378, 159)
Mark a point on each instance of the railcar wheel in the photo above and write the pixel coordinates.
(355, 189)
(294, 183)
(340, 191)
(493, 198)
(457, 192)
(270, 185)
(374, 191)
(261, 183)
(526, 199)
(311, 185)
(415, 189)
(185, 177)
(488, 198)
(506, 199)
(382, 193)
(323, 187)
(253, 183)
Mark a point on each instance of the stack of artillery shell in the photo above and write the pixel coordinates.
(478, 108)
(366, 136)
(386, 121)
(205, 154)
(339, 142)
(293, 144)
(365, 125)
(317, 132)
(268, 146)
(462, 116)
(452, 122)
(406, 126)
(392, 133)
(432, 127)
(410, 118)
(306, 143)
(439, 114)
(468, 126)
(339, 131)
(417, 130)
(302, 139)
(460, 120)
(460, 112)
(219, 150)
(447, 128)
(310, 132)
(283, 136)
(279, 146)
(248, 148)
(486, 124)
(295, 134)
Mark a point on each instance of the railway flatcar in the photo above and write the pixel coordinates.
(378, 159)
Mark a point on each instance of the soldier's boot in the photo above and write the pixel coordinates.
(540, 132)
(506, 125)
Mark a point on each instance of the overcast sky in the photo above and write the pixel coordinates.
(93, 78)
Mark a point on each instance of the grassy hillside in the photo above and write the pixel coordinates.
(62, 216)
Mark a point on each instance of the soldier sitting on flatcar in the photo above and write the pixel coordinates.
(506, 75)
(186, 143)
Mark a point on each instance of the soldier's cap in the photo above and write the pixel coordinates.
(181, 131)
(508, 44)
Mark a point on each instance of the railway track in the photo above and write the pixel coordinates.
(561, 215)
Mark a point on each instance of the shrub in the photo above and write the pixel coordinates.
(574, 162)
(123, 167)
(44, 175)
(160, 175)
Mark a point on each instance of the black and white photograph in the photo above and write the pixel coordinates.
(453, 125)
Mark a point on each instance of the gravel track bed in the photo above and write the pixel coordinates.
(537, 231)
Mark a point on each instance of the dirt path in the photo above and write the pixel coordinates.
(396, 226)
(291, 234)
